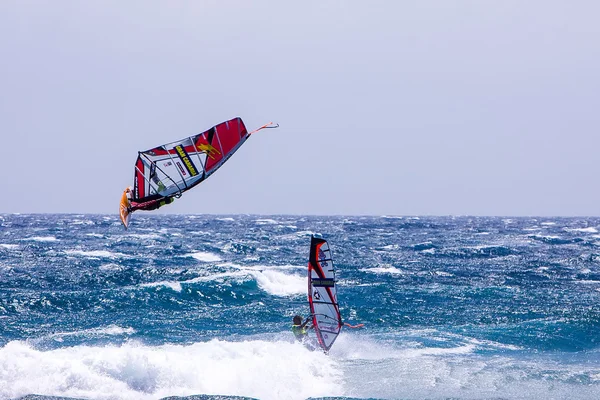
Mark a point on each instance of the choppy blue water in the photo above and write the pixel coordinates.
(463, 307)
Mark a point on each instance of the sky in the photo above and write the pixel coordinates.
(482, 107)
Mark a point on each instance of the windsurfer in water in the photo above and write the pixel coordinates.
(299, 328)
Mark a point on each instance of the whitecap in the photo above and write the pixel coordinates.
(81, 222)
(145, 236)
(205, 256)
(111, 267)
(268, 278)
(175, 286)
(94, 253)
(42, 238)
(110, 330)
(383, 270)
(304, 233)
(96, 235)
(583, 230)
(280, 284)
(265, 221)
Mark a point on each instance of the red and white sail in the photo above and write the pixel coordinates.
(173, 168)
(322, 294)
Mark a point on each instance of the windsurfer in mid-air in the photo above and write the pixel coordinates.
(167, 171)
(147, 205)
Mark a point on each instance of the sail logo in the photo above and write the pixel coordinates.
(321, 255)
(208, 149)
(324, 282)
(185, 158)
(181, 168)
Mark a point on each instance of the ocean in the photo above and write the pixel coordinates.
(202, 305)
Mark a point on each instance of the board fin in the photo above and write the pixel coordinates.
(124, 206)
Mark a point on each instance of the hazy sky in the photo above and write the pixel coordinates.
(385, 107)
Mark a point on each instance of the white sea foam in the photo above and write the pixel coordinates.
(267, 370)
(94, 253)
(275, 280)
(294, 236)
(266, 221)
(41, 239)
(145, 236)
(205, 256)
(200, 233)
(383, 270)
(304, 233)
(358, 365)
(589, 282)
(550, 237)
(111, 267)
(96, 235)
(111, 330)
(218, 277)
(480, 343)
(226, 219)
(584, 230)
(280, 284)
(415, 371)
(175, 286)
(9, 246)
(81, 222)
